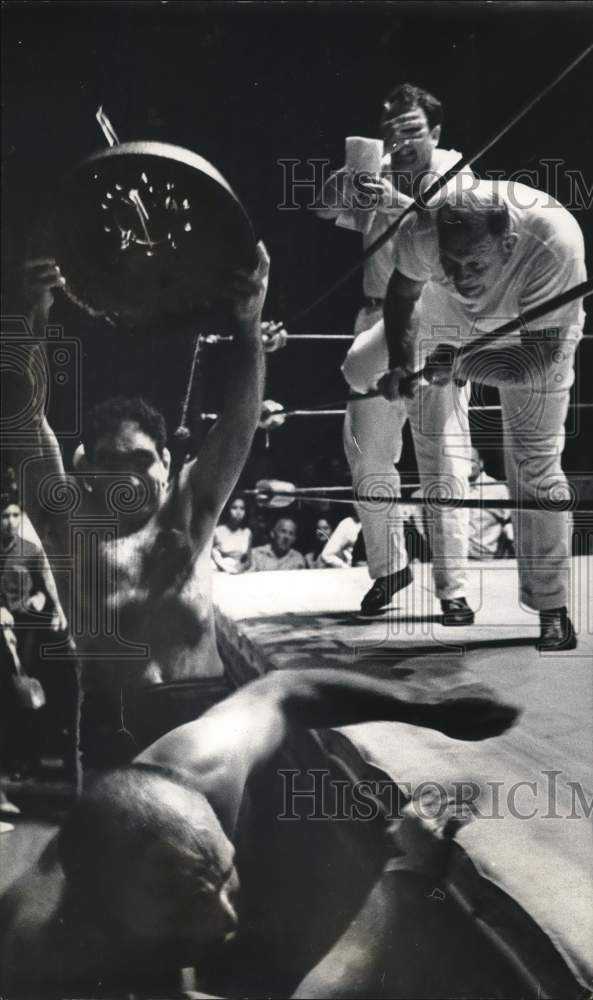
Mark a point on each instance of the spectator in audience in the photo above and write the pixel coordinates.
(30, 606)
(27, 586)
(279, 553)
(340, 546)
(231, 546)
(321, 534)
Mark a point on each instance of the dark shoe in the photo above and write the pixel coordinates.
(556, 631)
(457, 612)
(379, 596)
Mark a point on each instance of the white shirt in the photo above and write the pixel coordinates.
(339, 546)
(263, 558)
(549, 258)
(372, 224)
(233, 547)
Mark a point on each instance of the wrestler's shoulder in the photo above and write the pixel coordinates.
(544, 217)
(419, 226)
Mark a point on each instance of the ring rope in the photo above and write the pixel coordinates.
(221, 338)
(455, 503)
(212, 339)
(339, 411)
(582, 290)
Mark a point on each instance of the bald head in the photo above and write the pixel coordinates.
(144, 846)
(283, 535)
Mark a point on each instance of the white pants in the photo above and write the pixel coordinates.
(533, 431)
(373, 444)
(533, 428)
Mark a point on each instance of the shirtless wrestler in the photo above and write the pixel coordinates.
(142, 878)
(140, 602)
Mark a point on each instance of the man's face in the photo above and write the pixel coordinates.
(283, 536)
(132, 470)
(168, 904)
(473, 267)
(11, 520)
(410, 140)
(322, 530)
(237, 512)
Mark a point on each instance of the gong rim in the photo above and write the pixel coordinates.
(224, 236)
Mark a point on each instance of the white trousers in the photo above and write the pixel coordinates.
(533, 434)
(373, 444)
(533, 429)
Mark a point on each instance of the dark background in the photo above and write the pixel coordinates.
(246, 85)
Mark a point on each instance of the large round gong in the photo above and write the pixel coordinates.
(148, 230)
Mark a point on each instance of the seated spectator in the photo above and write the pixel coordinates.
(231, 546)
(321, 534)
(340, 546)
(27, 587)
(30, 606)
(279, 553)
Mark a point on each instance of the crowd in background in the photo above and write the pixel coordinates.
(321, 534)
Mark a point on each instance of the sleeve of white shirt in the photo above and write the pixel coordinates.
(556, 266)
(415, 248)
(344, 536)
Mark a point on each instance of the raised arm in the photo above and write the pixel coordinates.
(225, 745)
(399, 315)
(223, 454)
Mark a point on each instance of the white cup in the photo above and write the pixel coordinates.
(364, 155)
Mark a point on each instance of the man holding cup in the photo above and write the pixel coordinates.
(380, 180)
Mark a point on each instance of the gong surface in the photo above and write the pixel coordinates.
(147, 230)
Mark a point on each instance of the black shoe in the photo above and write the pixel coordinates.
(379, 596)
(457, 612)
(556, 631)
